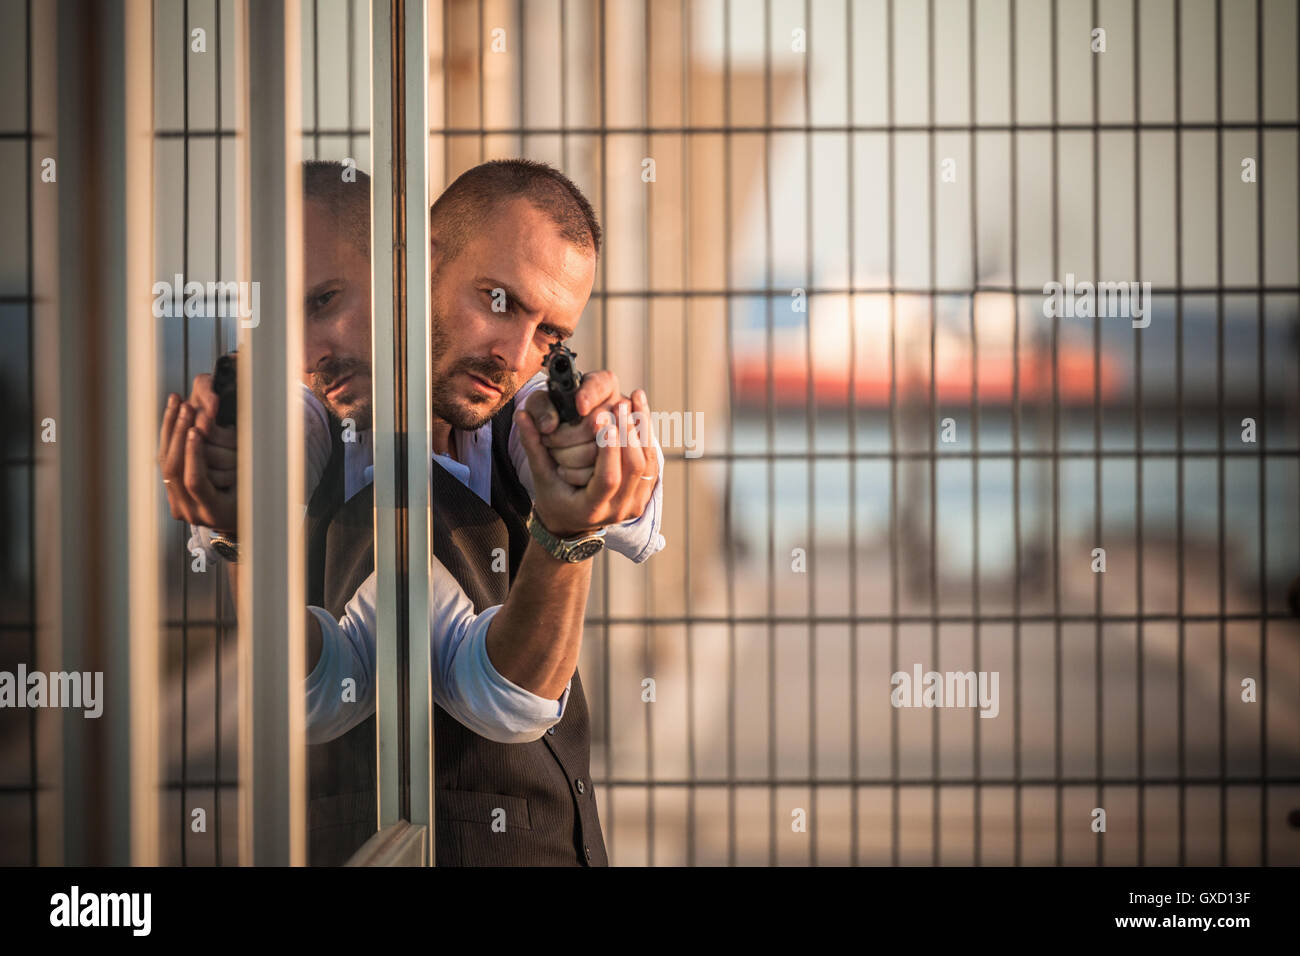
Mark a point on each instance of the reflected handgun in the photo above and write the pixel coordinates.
(563, 381)
(223, 384)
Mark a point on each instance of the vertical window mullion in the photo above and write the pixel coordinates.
(418, 414)
(106, 372)
(273, 791)
(384, 359)
(400, 317)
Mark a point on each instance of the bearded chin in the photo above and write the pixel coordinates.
(361, 417)
(450, 407)
(470, 421)
(460, 417)
(360, 413)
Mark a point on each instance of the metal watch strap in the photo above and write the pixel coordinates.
(565, 549)
(226, 547)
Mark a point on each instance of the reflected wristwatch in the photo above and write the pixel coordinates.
(225, 545)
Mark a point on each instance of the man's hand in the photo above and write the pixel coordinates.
(573, 446)
(581, 484)
(197, 459)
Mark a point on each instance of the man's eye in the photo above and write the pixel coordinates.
(498, 301)
(325, 298)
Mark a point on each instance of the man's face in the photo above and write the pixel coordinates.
(336, 317)
(480, 357)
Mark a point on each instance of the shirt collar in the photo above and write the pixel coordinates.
(474, 469)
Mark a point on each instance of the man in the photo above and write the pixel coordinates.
(514, 251)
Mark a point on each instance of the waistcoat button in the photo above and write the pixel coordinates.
(587, 850)
(582, 788)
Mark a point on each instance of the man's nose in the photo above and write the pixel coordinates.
(315, 350)
(511, 348)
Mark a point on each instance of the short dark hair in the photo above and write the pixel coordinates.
(348, 203)
(465, 205)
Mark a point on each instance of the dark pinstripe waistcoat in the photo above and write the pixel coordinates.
(544, 787)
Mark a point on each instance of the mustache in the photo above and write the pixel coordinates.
(488, 371)
(328, 372)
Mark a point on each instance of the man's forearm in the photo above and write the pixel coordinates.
(535, 638)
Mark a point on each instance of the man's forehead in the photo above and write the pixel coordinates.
(522, 249)
(327, 250)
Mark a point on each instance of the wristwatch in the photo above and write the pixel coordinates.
(226, 546)
(572, 550)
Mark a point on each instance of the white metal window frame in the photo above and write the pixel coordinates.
(402, 441)
(273, 794)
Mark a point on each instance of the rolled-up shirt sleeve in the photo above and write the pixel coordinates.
(463, 680)
(637, 538)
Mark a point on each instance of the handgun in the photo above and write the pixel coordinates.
(223, 384)
(563, 381)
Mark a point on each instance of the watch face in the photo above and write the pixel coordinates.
(586, 549)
